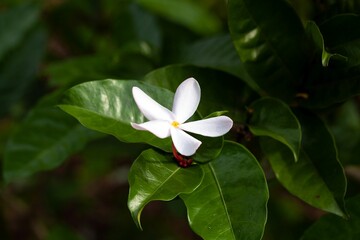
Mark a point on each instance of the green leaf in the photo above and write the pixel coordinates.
(209, 149)
(345, 125)
(336, 228)
(45, 139)
(318, 177)
(108, 106)
(219, 91)
(75, 70)
(154, 176)
(269, 38)
(27, 57)
(314, 32)
(341, 80)
(272, 118)
(230, 202)
(134, 25)
(197, 18)
(13, 29)
(219, 53)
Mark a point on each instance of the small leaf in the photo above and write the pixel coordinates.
(108, 106)
(314, 32)
(273, 118)
(318, 177)
(154, 176)
(230, 202)
(45, 139)
(341, 80)
(270, 40)
(336, 228)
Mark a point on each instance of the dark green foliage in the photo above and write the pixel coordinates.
(287, 72)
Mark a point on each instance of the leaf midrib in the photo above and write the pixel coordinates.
(222, 198)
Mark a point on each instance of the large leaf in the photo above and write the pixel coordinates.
(108, 106)
(341, 80)
(154, 176)
(336, 228)
(46, 138)
(269, 38)
(217, 52)
(318, 177)
(230, 202)
(272, 118)
(219, 91)
(185, 12)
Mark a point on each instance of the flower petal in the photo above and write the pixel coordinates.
(183, 142)
(211, 127)
(159, 128)
(150, 108)
(186, 100)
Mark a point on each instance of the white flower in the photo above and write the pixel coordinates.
(164, 123)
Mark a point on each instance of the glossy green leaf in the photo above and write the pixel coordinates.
(341, 80)
(209, 149)
(45, 139)
(197, 18)
(314, 32)
(272, 118)
(154, 176)
(318, 177)
(108, 106)
(336, 228)
(300, 178)
(230, 202)
(317, 135)
(269, 38)
(219, 91)
(219, 53)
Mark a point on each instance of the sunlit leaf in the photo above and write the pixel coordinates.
(230, 202)
(272, 118)
(336, 228)
(108, 106)
(154, 176)
(270, 40)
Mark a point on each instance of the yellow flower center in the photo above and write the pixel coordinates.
(175, 124)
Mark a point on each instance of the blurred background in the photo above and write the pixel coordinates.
(47, 46)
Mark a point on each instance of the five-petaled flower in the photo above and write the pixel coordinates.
(164, 123)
